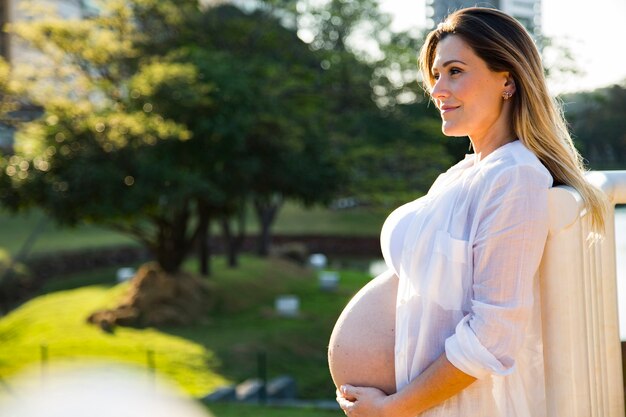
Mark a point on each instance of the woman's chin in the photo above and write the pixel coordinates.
(361, 348)
(452, 129)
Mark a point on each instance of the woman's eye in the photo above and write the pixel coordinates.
(436, 76)
(454, 71)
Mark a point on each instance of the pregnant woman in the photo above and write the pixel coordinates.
(453, 328)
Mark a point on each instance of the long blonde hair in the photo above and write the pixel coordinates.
(504, 44)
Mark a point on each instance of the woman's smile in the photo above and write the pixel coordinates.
(448, 109)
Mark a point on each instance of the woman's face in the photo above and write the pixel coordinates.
(467, 93)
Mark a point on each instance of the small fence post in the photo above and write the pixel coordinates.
(43, 354)
(151, 367)
(262, 369)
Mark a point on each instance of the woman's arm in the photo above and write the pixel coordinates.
(440, 381)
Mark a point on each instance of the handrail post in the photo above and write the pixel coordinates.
(578, 282)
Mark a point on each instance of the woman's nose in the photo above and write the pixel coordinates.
(439, 89)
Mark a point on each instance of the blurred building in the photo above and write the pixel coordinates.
(16, 10)
(528, 12)
(14, 50)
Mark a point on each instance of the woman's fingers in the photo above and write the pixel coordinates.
(350, 392)
(345, 404)
(346, 398)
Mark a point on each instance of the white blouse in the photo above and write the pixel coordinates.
(466, 255)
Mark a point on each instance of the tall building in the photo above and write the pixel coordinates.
(527, 12)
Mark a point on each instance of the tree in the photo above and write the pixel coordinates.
(104, 151)
(284, 143)
(100, 151)
(9, 95)
(598, 125)
(558, 59)
(389, 140)
(184, 129)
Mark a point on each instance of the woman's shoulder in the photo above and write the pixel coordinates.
(514, 162)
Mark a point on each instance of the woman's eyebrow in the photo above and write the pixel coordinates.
(445, 64)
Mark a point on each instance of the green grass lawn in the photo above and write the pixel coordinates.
(56, 323)
(16, 229)
(238, 410)
(362, 221)
(221, 348)
(292, 219)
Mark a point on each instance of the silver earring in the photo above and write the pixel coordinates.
(507, 95)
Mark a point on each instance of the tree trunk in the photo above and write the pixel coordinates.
(170, 255)
(266, 210)
(234, 242)
(204, 240)
(174, 242)
(227, 235)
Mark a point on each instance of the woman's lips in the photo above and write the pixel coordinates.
(446, 109)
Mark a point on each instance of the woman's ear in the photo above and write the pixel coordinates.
(509, 83)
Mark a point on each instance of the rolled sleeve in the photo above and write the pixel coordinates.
(511, 226)
(464, 351)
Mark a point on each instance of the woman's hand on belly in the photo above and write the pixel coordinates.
(362, 401)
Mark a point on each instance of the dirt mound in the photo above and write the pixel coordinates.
(157, 298)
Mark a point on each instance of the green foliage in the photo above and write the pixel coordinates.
(558, 58)
(271, 104)
(9, 93)
(337, 24)
(104, 150)
(391, 176)
(390, 143)
(598, 125)
(76, 164)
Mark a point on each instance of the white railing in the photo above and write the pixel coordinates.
(582, 349)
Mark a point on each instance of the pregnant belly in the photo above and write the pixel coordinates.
(361, 348)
